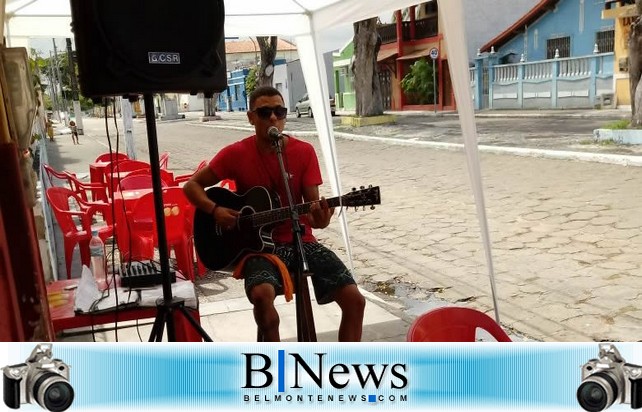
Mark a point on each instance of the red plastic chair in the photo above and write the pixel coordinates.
(184, 178)
(453, 324)
(132, 245)
(111, 157)
(97, 190)
(140, 181)
(56, 178)
(163, 160)
(59, 199)
(167, 179)
(178, 212)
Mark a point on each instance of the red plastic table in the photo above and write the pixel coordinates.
(61, 296)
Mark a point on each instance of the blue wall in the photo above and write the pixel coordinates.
(567, 19)
(234, 97)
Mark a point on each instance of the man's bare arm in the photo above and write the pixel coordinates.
(195, 191)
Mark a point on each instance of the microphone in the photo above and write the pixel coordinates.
(274, 133)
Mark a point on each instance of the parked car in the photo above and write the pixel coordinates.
(303, 106)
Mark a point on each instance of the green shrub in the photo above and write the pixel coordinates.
(618, 124)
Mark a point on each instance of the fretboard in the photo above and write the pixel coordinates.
(283, 213)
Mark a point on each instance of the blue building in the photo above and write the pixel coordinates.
(234, 98)
(555, 28)
(558, 55)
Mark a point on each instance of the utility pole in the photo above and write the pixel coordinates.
(128, 125)
(74, 88)
(62, 94)
(53, 88)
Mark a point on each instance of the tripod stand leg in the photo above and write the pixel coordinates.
(157, 330)
(195, 324)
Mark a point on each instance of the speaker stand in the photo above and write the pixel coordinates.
(168, 306)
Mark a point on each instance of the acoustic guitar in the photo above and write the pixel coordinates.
(219, 248)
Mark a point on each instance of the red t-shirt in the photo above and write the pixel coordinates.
(242, 163)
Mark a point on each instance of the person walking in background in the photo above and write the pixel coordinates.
(74, 132)
(50, 130)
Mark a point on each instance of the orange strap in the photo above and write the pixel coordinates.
(288, 286)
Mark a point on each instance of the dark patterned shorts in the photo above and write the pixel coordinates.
(328, 271)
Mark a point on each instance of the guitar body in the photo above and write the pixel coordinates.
(259, 214)
(218, 248)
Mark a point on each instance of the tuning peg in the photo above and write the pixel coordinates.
(354, 189)
(356, 208)
(369, 186)
(372, 207)
(362, 187)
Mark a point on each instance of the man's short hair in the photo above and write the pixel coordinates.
(263, 91)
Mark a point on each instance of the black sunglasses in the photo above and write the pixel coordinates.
(266, 112)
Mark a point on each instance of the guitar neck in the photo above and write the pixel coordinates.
(283, 213)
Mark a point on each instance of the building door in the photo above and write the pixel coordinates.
(386, 89)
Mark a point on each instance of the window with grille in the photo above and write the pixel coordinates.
(563, 44)
(605, 41)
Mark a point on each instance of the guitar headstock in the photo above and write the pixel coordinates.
(364, 196)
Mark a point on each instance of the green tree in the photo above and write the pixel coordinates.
(418, 83)
(44, 71)
(251, 80)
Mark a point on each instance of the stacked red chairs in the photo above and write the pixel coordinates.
(59, 199)
(111, 157)
(138, 181)
(178, 212)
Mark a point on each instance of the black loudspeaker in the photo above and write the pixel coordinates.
(149, 46)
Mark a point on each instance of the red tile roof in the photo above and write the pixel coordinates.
(541, 8)
(251, 46)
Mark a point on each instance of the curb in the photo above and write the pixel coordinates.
(621, 160)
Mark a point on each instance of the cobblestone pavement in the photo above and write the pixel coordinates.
(566, 235)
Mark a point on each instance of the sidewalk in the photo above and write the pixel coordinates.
(495, 113)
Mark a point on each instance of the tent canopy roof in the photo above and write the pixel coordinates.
(51, 18)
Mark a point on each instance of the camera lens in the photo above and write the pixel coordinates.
(597, 392)
(53, 392)
(58, 396)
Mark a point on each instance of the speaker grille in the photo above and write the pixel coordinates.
(149, 46)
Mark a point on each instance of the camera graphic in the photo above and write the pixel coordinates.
(608, 380)
(41, 379)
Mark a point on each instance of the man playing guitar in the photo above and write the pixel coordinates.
(253, 162)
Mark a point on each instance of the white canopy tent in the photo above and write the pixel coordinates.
(305, 20)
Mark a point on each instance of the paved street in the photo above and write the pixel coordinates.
(566, 235)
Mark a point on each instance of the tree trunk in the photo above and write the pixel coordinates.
(635, 67)
(366, 75)
(268, 53)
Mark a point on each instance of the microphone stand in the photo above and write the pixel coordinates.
(304, 318)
